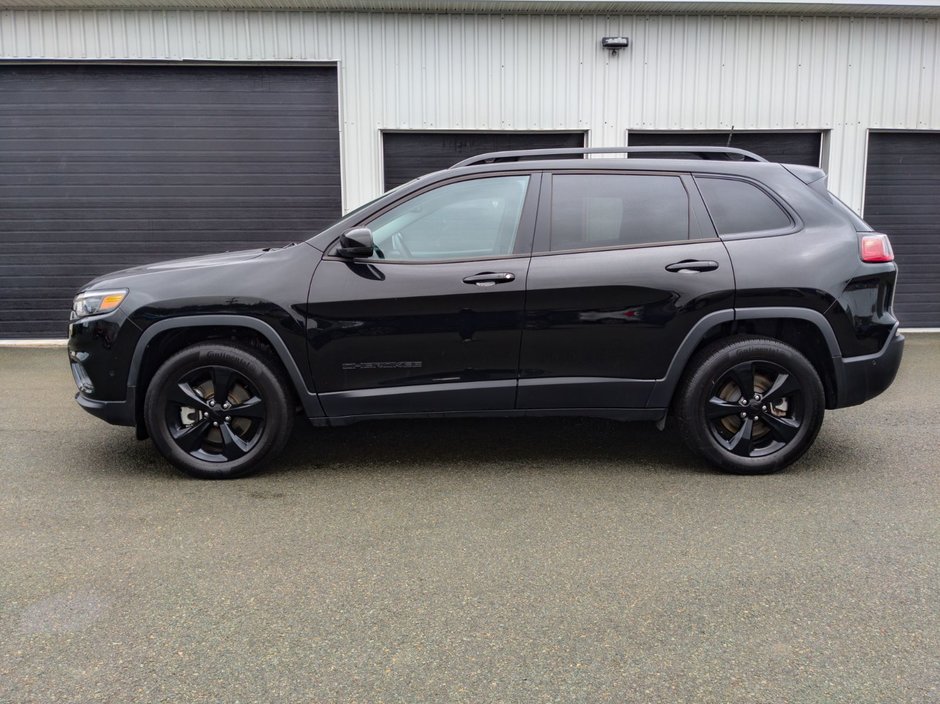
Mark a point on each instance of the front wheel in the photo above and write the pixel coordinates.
(218, 410)
(750, 405)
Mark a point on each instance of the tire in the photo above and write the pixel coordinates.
(783, 408)
(204, 437)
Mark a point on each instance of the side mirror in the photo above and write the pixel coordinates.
(356, 243)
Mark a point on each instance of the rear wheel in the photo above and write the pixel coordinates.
(218, 411)
(750, 405)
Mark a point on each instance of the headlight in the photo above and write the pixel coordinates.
(95, 302)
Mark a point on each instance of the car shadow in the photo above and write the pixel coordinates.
(547, 445)
(559, 443)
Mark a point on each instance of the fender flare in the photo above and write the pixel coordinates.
(308, 400)
(661, 395)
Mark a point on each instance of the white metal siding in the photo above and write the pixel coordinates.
(530, 72)
(903, 8)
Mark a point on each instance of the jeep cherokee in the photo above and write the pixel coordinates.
(736, 295)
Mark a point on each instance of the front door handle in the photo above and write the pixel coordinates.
(488, 278)
(691, 266)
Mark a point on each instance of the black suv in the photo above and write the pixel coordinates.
(736, 295)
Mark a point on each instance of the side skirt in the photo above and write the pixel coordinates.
(622, 414)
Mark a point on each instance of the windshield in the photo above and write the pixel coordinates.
(362, 207)
(351, 215)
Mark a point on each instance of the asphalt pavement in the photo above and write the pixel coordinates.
(559, 560)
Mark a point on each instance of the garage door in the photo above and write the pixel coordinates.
(408, 155)
(104, 167)
(902, 199)
(786, 147)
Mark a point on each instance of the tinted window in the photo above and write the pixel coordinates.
(738, 206)
(609, 210)
(477, 218)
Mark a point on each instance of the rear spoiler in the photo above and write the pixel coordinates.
(816, 179)
(812, 176)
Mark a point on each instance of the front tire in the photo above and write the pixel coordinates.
(218, 410)
(750, 405)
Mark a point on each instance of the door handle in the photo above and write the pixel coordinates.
(692, 266)
(488, 278)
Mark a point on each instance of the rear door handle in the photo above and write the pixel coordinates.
(488, 278)
(691, 266)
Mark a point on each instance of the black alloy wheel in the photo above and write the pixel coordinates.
(750, 405)
(215, 414)
(219, 410)
(755, 408)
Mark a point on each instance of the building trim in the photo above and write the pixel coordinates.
(910, 8)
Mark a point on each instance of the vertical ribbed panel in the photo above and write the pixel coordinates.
(530, 72)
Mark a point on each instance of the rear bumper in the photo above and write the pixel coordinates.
(862, 378)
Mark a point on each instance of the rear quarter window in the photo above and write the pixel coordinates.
(738, 207)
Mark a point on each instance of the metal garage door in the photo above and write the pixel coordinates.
(902, 199)
(408, 155)
(104, 167)
(786, 147)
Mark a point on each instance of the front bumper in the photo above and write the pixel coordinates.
(100, 350)
(114, 412)
(863, 378)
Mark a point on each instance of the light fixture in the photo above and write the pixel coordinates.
(615, 44)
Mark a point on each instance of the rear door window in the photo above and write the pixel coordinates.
(738, 207)
(591, 211)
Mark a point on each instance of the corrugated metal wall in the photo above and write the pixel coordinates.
(529, 72)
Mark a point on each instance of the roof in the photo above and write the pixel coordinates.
(911, 8)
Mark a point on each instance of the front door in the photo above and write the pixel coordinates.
(432, 321)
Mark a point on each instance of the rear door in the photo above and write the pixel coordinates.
(625, 264)
(432, 322)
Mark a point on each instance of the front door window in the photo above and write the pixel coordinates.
(462, 220)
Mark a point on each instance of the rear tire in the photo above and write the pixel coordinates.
(750, 405)
(219, 410)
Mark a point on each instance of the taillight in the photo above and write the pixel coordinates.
(875, 247)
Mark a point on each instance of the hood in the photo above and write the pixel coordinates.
(190, 263)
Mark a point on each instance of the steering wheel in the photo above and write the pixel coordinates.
(398, 242)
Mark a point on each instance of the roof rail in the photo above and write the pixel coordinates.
(522, 154)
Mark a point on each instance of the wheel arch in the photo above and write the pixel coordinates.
(166, 337)
(805, 329)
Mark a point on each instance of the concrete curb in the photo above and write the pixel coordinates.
(33, 344)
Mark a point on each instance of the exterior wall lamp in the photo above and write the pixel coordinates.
(615, 44)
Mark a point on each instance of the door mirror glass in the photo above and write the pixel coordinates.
(356, 243)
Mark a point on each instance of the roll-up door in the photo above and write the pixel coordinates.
(782, 146)
(408, 155)
(902, 199)
(108, 166)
